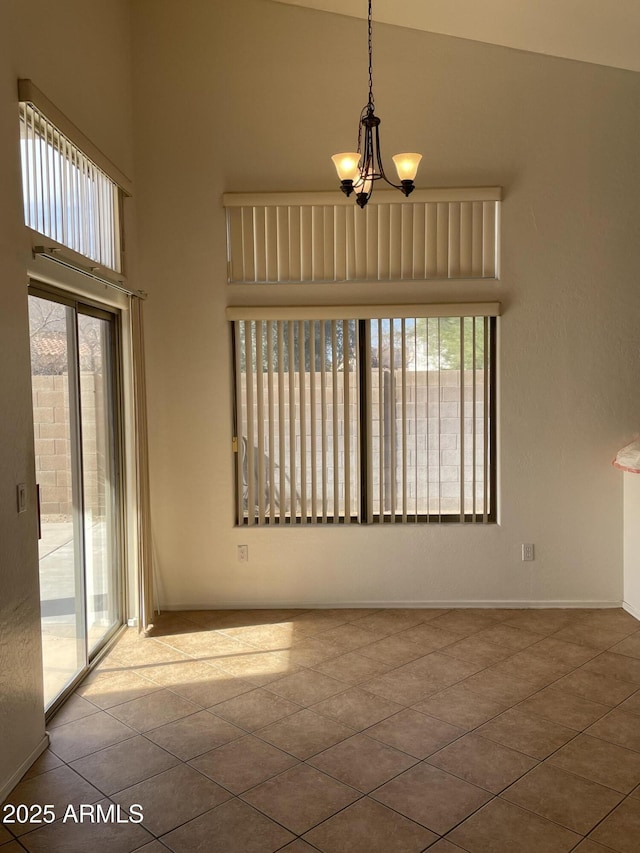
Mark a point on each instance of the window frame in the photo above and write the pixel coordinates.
(364, 514)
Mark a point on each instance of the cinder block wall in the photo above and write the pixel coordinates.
(436, 430)
(53, 445)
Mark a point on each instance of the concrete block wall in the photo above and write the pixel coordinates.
(435, 431)
(52, 446)
(52, 433)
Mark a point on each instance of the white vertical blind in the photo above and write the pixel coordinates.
(296, 460)
(66, 196)
(386, 418)
(311, 237)
(302, 427)
(430, 405)
(390, 460)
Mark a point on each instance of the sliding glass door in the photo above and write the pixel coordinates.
(95, 345)
(74, 382)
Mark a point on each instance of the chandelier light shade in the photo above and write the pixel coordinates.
(407, 165)
(359, 170)
(347, 165)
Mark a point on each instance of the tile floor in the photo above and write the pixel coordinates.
(352, 731)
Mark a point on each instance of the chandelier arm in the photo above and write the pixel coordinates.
(366, 156)
(363, 113)
(379, 157)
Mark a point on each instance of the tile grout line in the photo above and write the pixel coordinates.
(350, 686)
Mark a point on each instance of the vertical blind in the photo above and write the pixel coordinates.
(296, 420)
(67, 197)
(380, 415)
(430, 418)
(312, 237)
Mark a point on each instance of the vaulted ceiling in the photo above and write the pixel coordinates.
(605, 32)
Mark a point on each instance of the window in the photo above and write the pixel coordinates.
(68, 196)
(372, 414)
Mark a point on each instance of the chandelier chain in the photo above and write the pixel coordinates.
(370, 33)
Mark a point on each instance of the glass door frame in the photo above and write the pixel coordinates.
(88, 307)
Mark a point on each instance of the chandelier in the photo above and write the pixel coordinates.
(358, 170)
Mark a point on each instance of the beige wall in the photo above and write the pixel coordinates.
(249, 95)
(243, 95)
(78, 54)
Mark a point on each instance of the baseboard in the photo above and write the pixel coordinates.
(633, 611)
(337, 605)
(34, 755)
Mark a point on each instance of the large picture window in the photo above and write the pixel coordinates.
(365, 415)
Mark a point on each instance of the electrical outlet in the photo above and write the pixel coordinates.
(527, 551)
(243, 553)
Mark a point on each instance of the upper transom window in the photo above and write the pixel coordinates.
(67, 197)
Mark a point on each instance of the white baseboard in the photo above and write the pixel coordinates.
(13, 780)
(337, 605)
(633, 611)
